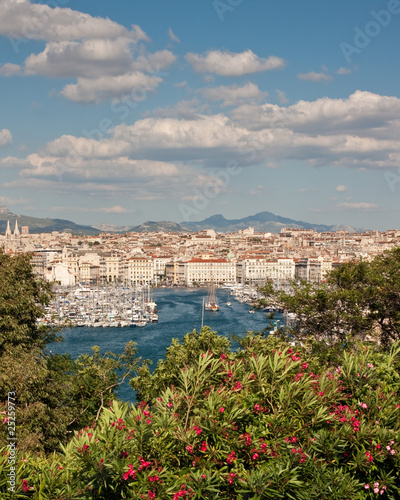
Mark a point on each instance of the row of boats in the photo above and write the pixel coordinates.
(243, 294)
(110, 306)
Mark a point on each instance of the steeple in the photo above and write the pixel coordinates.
(16, 230)
(8, 230)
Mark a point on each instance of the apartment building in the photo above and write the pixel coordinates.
(209, 270)
(139, 270)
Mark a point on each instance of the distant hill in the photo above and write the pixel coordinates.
(263, 222)
(47, 225)
(165, 226)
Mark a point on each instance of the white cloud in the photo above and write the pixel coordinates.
(306, 190)
(258, 191)
(6, 200)
(105, 57)
(234, 95)
(23, 19)
(361, 113)
(341, 188)
(87, 58)
(343, 71)
(153, 63)
(361, 131)
(106, 69)
(357, 206)
(9, 69)
(110, 87)
(111, 178)
(5, 137)
(314, 77)
(107, 210)
(188, 110)
(172, 36)
(233, 64)
(282, 97)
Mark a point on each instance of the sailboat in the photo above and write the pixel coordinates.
(211, 302)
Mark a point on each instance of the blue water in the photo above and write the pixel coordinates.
(179, 312)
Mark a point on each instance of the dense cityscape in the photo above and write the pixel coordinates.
(194, 258)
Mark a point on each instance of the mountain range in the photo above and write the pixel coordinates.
(264, 222)
(45, 225)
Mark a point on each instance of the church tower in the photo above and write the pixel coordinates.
(8, 231)
(16, 230)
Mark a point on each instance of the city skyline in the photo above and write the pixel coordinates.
(180, 111)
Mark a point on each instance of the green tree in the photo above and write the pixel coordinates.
(177, 356)
(54, 394)
(22, 298)
(359, 300)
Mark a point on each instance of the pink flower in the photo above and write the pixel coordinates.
(376, 490)
(392, 452)
(388, 448)
(203, 446)
(366, 486)
(231, 457)
(25, 486)
(255, 456)
(376, 485)
(222, 409)
(321, 393)
(189, 449)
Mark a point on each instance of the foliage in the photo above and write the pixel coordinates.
(22, 298)
(358, 300)
(55, 395)
(265, 422)
(167, 373)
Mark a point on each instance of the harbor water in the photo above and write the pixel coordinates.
(179, 312)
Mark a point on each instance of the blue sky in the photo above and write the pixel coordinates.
(124, 112)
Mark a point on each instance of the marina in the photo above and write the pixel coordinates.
(179, 312)
(113, 306)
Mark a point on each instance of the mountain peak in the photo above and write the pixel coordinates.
(4, 212)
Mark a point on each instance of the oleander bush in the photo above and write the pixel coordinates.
(271, 420)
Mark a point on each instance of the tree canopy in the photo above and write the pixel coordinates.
(55, 394)
(359, 299)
